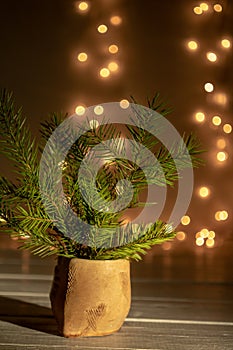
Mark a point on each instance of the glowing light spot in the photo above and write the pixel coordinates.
(185, 220)
(211, 56)
(204, 192)
(204, 233)
(211, 234)
(113, 48)
(192, 45)
(197, 10)
(82, 57)
(124, 104)
(80, 110)
(113, 66)
(227, 128)
(198, 234)
(220, 98)
(217, 215)
(223, 215)
(226, 43)
(209, 87)
(200, 241)
(116, 20)
(181, 236)
(102, 28)
(210, 242)
(200, 117)
(98, 110)
(166, 245)
(221, 143)
(83, 6)
(216, 120)
(104, 72)
(222, 156)
(218, 8)
(204, 6)
(94, 124)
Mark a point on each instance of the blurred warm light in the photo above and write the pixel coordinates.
(217, 8)
(204, 6)
(102, 28)
(209, 87)
(124, 104)
(204, 192)
(216, 120)
(220, 98)
(221, 143)
(82, 56)
(98, 110)
(226, 43)
(185, 220)
(200, 241)
(210, 242)
(181, 236)
(227, 128)
(200, 117)
(83, 6)
(198, 234)
(93, 124)
(197, 10)
(222, 156)
(192, 45)
(211, 56)
(204, 233)
(116, 20)
(113, 48)
(104, 72)
(211, 234)
(223, 215)
(217, 215)
(166, 245)
(80, 110)
(113, 66)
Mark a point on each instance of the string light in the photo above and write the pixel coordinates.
(104, 72)
(204, 6)
(204, 233)
(204, 192)
(83, 6)
(227, 128)
(185, 220)
(209, 87)
(216, 120)
(200, 241)
(226, 43)
(221, 143)
(222, 156)
(192, 45)
(98, 110)
(218, 8)
(80, 110)
(210, 242)
(113, 48)
(200, 117)
(124, 104)
(181, 236)
(82, 57)
(102, 28)
(116, 20)
(113, 66)
(211, 56)
(197, 10)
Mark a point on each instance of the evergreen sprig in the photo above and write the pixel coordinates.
(22, 211)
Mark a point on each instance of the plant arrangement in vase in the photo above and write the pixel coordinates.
(90, 294)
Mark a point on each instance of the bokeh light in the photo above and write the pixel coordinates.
(181, 236)
(82, 6)
(227, 128)
(80, 110)
(185, 220)
(192, 45)
(218, 8)
(209, 87)
(210, 242)
(222, 156)
(216, 120)
(116, 20)
(124, 104)
(104, 72)
(200, 117)
(113, 66)
(204, 6)
(98, 110)
(204, 192)
(226, 43)
(197, 10)
(211, 56)
(82, 57)
(221, 143)
(102, 28)
(200, 241)
(113, 48)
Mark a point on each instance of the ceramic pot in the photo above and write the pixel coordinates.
(90, 297)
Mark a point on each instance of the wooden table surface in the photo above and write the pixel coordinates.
(179, 301)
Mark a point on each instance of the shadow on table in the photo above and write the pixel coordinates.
(28, 315)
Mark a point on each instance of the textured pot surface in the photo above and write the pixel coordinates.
(90, 297)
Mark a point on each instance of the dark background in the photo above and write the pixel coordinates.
(40, 41)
